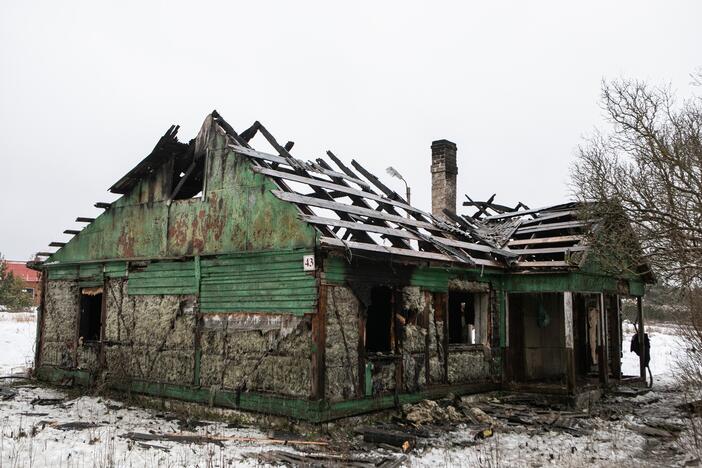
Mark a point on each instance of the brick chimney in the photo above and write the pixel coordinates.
(443, 177)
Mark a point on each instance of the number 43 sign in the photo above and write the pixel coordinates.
(308, 263)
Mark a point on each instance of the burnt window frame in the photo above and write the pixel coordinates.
(480, 301)
(90, 333)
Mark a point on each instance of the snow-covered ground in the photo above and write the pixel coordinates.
(30, 433)
(17, 332)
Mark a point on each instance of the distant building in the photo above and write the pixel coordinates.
(31, 278)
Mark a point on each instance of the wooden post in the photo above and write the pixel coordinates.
(569, 354)
(616, 337)
(319, 337)
(41, 313)
(602, 349)
(642, 348)
(506, 355)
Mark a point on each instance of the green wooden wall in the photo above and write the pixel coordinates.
(237, 213)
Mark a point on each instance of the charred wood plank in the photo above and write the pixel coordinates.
(484, 207)
(397, 439)
(375, 181)
(535, 210)
(229, 129)
(345, 189)
(360, 199)
(551, 227)
(394, 232)
(336, 206)
(280, 160)
(549, 250)
(547, 217)
(334, 242)
(545, 240)
(553, 264)
(182, 181)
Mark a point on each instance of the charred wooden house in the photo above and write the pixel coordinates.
(241, 279)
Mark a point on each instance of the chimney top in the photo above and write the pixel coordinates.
(436, 144)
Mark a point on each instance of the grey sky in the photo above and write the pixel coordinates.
(86, 89)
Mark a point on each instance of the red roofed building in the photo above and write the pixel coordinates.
(31, 278)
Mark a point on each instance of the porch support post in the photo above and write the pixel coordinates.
(602, 350)
(616, 335)
(569, 355)
(642, 348)
(506, 354)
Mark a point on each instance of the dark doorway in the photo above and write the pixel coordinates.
(379, 321)
(585, 334)
(90, 316)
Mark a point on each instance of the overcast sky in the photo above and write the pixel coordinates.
(87, 88)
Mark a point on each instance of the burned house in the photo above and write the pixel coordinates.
(242, 279)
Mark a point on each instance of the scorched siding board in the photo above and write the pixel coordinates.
(273, 282)
(164, 278)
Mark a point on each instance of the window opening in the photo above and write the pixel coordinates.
(90, 314)
(379, 321)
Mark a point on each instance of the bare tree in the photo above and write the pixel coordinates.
(642, 181)
(647, 174)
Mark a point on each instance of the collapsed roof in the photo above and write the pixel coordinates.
(353, 210)
(553, 236)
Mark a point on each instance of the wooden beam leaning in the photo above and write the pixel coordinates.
(389, 205)
(182, 181)
(360, 200)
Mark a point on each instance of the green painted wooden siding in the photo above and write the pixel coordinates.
(164, 278)
(237, 213)
(258, 282)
